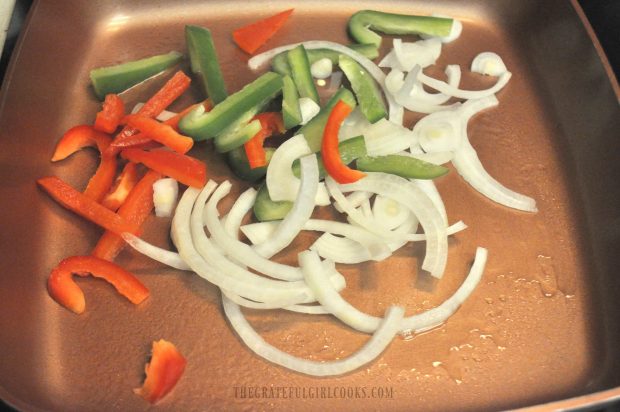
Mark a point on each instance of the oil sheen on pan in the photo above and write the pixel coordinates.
(536, 329)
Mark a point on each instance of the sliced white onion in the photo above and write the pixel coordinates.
(350, 251)
(260, 290)
(241, 301)
(488, 63)
(238, 250)
(414, 97)
(423, 53)
(322, 68)
(436, 158)
(386, 137)
(410, 195)
(309, 108)
(165, 194)
(301, 211)
(447, 89)
(353, 317)
(282, 184)
(354, 215)
(355, 124)
(450, 230)
(373, 348)
(436, 316)
(239, 209)
(389, 212)
(429, 187)
(158, 254)
(396, 112)
(471, 169)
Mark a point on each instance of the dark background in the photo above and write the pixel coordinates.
(604, 16)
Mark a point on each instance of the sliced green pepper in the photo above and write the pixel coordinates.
(239, 132)
(291, 113)
(203, 59)
(266, 209)
(300, 72)
(349, 150)
(403, 166)
(361, 23)
(200, 125)
(115, 79)
(365, 88)
(280, 65)
(238, 163)
(313, 130)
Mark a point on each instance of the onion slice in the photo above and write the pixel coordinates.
(410, 195)
(302, 209)
(353, 317)
(167, 257)
(372, 349)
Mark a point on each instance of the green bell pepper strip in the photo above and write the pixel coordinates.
(116, 79)
(266, 209)
(279, 63)
(203, 60)
(237, 133)
(300, 72)
(349, 150)
(238, 162)
(403, 166)
(291, 112)
(363, 22)
(200, 125)
(313, 130)
(365, 88)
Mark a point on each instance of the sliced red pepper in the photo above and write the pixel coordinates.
(65, 291)
(124, 183)
(185, 169)
(173, 88)
(271, 122)
(249, 38)
(329, 146)
(77, 138)
(84, 206)
(108, 119)
(160, 132)
(136, 208)
(82, 136)
(163, 372)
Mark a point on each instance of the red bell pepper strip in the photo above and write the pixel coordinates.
(84, 205)
(77, 138)
(173, 88)
(271, 122)
(183, 168)
(82, 136)
(329, 146)
(142, 141)
(249, 38)
(163, 372)
(124, 183)
(160, 132)
(108, 119)
(65, 291)
(136, 208)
